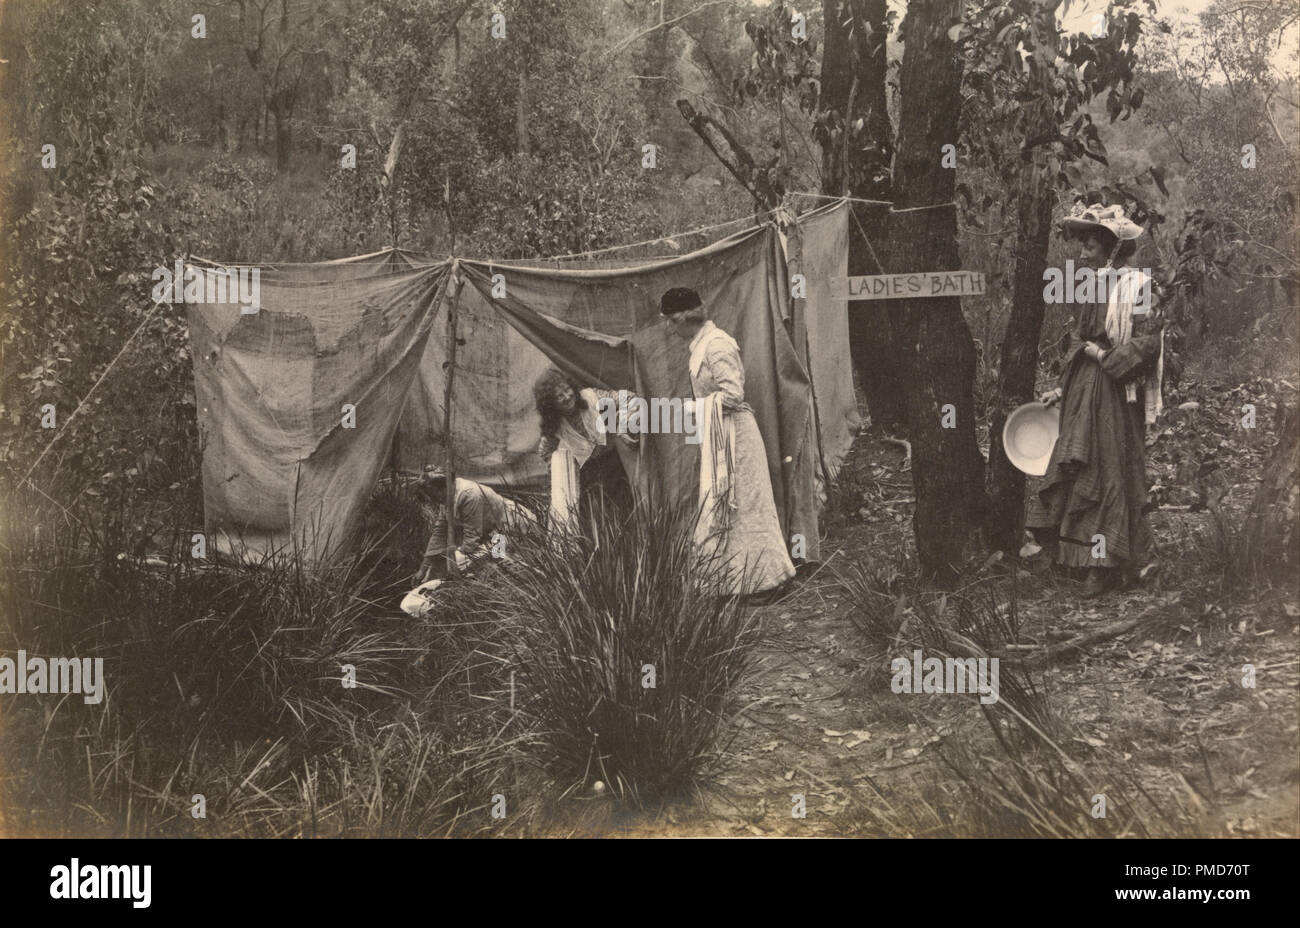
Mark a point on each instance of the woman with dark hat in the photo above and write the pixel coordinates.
(738, 521)
(1093, 499)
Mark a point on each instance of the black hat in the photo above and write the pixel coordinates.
(679, 300)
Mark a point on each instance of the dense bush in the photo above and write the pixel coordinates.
(229, 683)
(627, 655)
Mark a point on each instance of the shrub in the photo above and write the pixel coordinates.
(227, 682)
(596, 615)
(1014, 779)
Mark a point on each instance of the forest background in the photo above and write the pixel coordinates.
(135, 132)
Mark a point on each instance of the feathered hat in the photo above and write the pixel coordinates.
(1111, 218)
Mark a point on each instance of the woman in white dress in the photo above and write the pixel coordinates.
(738, 520)
(589, 468)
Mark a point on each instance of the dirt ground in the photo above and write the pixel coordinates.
(1165, 703)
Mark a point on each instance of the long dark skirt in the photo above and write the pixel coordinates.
(603, 487)
(1096, 480)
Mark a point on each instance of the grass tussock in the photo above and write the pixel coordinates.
(1224, 554)
(273, 700)
(1019, 775)
(268, 700)
(627, 654)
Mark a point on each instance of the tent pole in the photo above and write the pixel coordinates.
(449, 460)
(799, 335)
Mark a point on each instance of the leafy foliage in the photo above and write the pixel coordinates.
(1023, 73)
(1213, 92)
(77, 285)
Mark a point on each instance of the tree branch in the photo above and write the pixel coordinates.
(668, 22)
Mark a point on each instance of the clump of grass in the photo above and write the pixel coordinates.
(848, 492)
(894, 616)
(627, 654)
(1224, 553)
(877, 612)
(1027, 785)
(1017, 779)
(228, 683)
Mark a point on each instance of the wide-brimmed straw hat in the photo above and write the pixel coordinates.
(1111, 218)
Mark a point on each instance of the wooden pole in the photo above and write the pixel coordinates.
(453, 307)
(449, 457)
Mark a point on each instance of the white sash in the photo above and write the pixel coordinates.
(1121, 307)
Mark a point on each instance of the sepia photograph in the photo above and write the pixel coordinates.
(634, 419)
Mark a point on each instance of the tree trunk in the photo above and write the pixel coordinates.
(655, 60)
(15, 16)
(219, 140)
(1019, 365)
(387, 182)
(932, 340)
(1272, 539)
(853, 84)
(388, 179)
(283, 138)
(521, 113)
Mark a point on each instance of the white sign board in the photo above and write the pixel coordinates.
(905, 286)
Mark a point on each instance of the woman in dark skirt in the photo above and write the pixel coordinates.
(571, 421)
(1092, 502)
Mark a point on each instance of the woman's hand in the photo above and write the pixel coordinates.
(1051, 397)
(1094, 351)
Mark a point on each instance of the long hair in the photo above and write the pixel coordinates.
(544, 391)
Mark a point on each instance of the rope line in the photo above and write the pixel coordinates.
(913, 209)
(61, 432)
(576, 254)
(866, 240)
(827, 196)
(889, 203)
(649, 241)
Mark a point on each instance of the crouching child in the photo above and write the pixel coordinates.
(479, 516)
